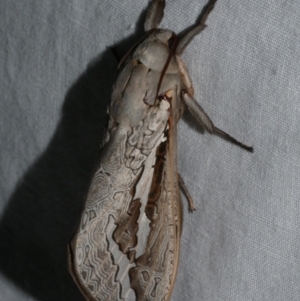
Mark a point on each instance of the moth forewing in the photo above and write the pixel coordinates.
(127, 244)
(126, 247)
(172, 181)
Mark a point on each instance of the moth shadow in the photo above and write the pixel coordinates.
(45, 207)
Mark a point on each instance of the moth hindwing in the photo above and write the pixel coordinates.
(127, 244)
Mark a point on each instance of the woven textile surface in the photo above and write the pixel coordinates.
(56, 76)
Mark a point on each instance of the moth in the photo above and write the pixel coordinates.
(126, 246)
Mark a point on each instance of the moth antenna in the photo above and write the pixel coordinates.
(155, 14)
(195, 29)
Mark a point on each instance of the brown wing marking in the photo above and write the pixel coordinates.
(127, 227)
(152, 277)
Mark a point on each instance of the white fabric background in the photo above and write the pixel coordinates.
(56, 74)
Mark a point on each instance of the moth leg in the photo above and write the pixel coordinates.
(186, 192)
(196, 29)
(206, 122)
(155, 14)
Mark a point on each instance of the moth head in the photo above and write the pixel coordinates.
(156, 50)
(165, 36)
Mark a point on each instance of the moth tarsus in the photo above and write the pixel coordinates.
(187, 194)
(127, 244)
(226, 136)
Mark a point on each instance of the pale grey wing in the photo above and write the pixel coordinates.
(113, 230)
(94, 253)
